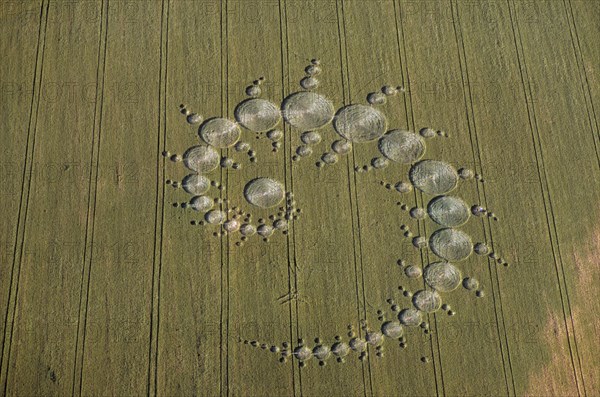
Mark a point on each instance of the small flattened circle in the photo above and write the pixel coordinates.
(448, 211)
(433, 176)
(307, 110)
(360, 123)
(442, 276)
(470, 283)
(427, 301)
(451, 244)
(201, 158)
(402, 146)
(258, 115)
(264, 192)
(220, 133)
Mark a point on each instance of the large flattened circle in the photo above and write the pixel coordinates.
(264, 192)
(451, 244)
(201, 158)
(307, 111)
(360, 123)
(220, 133)
(448, 211)
(402, 146)
(257, 115)
(442, 276)
(433, 176)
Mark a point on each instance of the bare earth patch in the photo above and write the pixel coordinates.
(557, 377)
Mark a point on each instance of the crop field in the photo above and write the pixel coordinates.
(300, 198)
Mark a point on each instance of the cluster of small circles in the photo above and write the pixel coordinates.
(484, 249)
(428, 132)
(308, 139)
(405, 229)
(400, 187)
(275, 137)
(254, 90)
(191, 118)
(310, 82)
(278, 222)
(478, 210)
(340, 349)
(380, 97)
(446, 307)
(245, 147)
(470, 284)
(228, 162)
(236, 220)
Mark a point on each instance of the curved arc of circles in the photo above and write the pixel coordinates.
(428, 300)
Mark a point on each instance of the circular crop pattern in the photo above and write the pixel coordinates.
(410, 317)
(448, 211)
(201, 203)
(340, 349)
(427, 301)
(360, 123)
(392, 329)
(442, 276)
(201, 159)
(303, 353)
(257, 115)
(322, 352)
(451, 244)
(433, 177)
(195, 184)
(220, 133)
(358, 344)
(264, 192)
(402, 146)
(307, 110)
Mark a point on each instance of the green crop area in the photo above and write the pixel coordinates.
(300, 198)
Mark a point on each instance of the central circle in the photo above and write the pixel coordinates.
(264, 192)
(307, 110)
